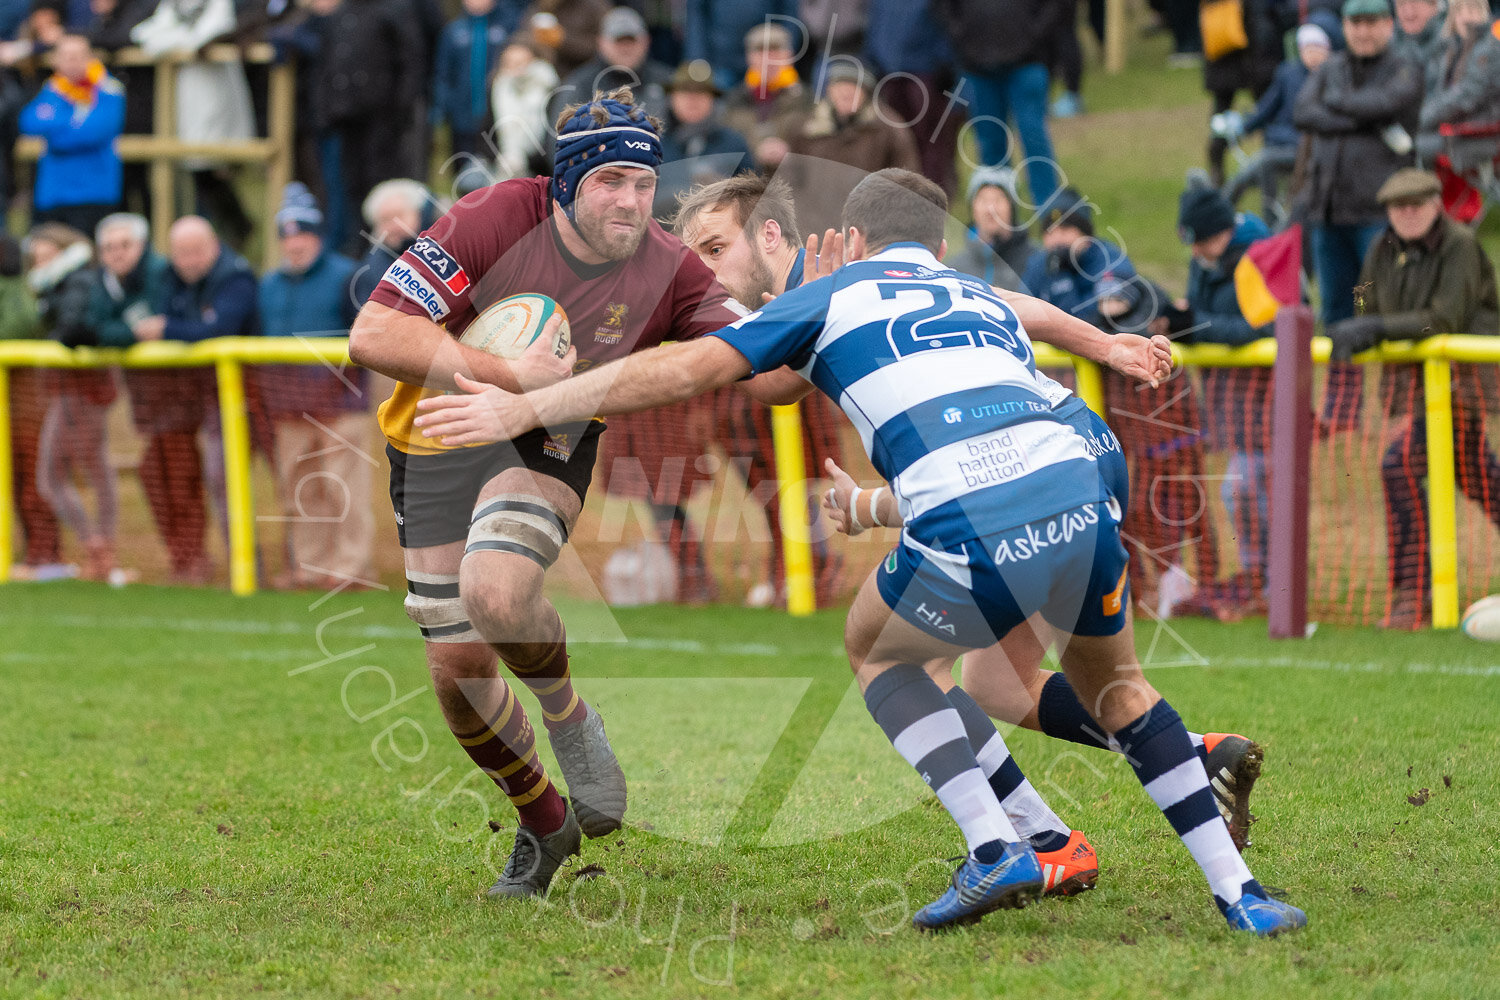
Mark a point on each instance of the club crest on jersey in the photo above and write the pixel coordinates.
(612, 330)
(558, 446)
(441, 264)
(899, 274)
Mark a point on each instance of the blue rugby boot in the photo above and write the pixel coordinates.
(978, 888)
(1265, 915)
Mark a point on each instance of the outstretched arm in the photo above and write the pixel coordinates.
(1140, 358)
(665, 374)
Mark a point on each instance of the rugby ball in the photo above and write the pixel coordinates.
(1482, 620)
(508, 327)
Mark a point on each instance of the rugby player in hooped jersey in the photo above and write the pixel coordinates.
(738, 227)
(901, 343)
(479, 526)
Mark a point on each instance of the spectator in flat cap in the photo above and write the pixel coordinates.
(1425, 274)
(322, 428)
(847, 137)
(1359, 112)
(999, 248)
(697, 147)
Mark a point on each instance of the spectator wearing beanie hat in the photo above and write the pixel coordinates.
(1237, 399)
(999, 248)
(324, 483)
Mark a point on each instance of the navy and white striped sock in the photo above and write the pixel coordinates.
(1024, 806)
(1059, 715)
(1158, 748)
(925, 729)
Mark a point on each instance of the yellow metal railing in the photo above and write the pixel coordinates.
(1434, 354)
(229, 355)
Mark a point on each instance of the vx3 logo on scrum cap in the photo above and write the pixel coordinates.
(637, 144)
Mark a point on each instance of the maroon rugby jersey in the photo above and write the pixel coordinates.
(501, 241)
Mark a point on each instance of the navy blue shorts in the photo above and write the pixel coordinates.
(1069, 567)
(1102, 444)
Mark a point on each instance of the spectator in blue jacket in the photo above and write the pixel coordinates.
(210, 291)
(468, 52)
(1273, 114)
(697, 147)
(79, 113)
(1091, 278)
(1237, 399)
(319, 415)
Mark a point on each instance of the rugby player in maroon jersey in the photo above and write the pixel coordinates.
(479, 526)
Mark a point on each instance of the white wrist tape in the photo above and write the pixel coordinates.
(854, 510)
(875, 506)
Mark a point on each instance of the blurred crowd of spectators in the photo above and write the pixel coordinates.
(820, 92)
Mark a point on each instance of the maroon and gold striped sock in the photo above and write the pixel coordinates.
(544, 671)
(505, 749)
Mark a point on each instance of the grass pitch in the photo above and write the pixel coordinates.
(206, 796)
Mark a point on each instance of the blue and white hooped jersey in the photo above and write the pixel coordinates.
(938, 376)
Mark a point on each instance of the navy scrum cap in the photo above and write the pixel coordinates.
(584, 144)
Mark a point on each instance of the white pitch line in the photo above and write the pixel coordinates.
(241, 626)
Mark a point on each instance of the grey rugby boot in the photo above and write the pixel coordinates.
(596, 785)
(534, 859)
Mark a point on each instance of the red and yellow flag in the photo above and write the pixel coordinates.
(1269, 276)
